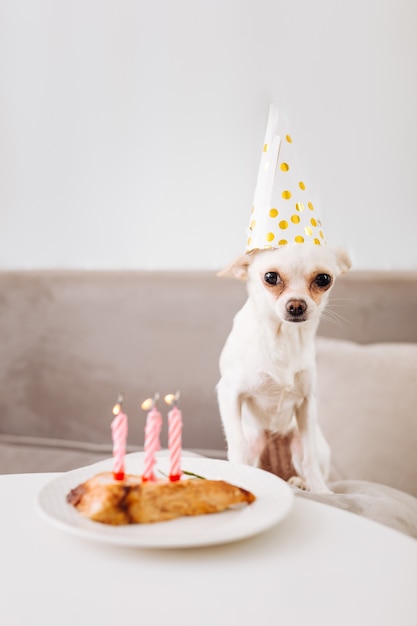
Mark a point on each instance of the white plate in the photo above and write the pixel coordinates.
(274, 499)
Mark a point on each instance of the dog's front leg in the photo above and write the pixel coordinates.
(307, 427)
(230, 404)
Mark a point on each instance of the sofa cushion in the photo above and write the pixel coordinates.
(71, 341)
(367, 404)
(22, 454)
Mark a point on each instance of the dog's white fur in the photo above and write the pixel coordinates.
(267, 366)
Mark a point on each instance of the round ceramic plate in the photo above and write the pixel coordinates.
(274, 499)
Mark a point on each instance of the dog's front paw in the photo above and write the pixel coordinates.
(300, 483)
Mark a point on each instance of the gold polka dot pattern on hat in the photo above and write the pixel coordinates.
(283, 207)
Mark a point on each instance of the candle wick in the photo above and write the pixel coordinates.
(175, 399)
(150, 403)
(118, 406)
(172, 399)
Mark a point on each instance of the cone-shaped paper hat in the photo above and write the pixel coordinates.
(283, 211)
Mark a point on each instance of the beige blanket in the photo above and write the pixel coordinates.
(380, 503)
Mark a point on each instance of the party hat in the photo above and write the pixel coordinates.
(283, 211)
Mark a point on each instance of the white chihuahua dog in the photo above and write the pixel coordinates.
(267, 366)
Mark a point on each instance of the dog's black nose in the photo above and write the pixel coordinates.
(296, 308)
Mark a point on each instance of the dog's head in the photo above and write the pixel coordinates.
(293, 281)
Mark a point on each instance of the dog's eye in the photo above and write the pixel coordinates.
(272, 278)
(322, 280)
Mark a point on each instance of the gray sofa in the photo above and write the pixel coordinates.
(72, 340)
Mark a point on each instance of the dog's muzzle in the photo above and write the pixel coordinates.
(296, 310)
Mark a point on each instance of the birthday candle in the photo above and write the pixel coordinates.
(152, 432)
(119, 429)
(174, 437)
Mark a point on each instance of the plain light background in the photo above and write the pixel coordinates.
(131, 131)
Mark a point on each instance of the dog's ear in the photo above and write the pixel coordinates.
(237, 269)
(342, 259)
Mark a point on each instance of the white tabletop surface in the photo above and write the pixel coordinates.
(320, 565)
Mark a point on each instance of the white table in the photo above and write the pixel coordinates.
(320, 566)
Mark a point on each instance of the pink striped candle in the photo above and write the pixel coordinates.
(152, 443)
(175, 442)
(119, 433)
(174, 436)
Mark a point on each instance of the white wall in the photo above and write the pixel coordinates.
(131, 130)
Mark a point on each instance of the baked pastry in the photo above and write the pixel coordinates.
(131, 501)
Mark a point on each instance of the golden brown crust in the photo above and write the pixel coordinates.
(130, 501)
